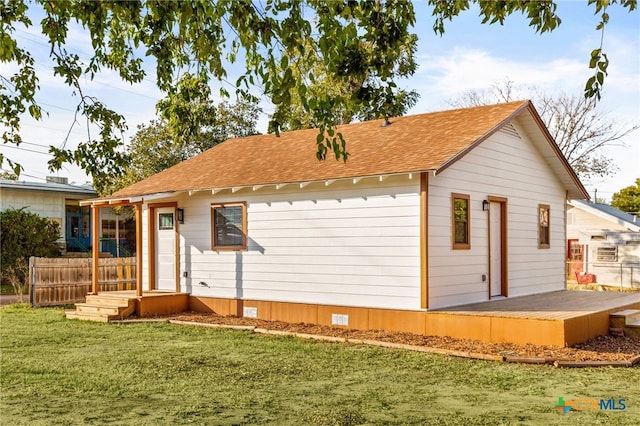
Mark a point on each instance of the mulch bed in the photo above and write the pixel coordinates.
(601, 350)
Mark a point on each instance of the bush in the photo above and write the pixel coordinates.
(24, 234)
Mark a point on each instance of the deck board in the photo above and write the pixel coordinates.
(559, 305)
(560, 318)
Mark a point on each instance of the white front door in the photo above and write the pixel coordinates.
(165, 249)
(495, 249)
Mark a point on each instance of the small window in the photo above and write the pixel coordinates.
(575, 250)
(543, 227)
(460, 215)
(607, 254)
(228, 226)
(165, 221)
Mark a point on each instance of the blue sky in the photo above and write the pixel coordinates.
(469, 56)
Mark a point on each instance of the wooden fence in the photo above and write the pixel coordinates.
(63, 281)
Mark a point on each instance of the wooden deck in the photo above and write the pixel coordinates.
(555, 305)
(558, 318)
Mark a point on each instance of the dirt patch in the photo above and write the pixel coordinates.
(601, 348)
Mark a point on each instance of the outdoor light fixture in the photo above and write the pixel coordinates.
(485, 205)
(181, 215)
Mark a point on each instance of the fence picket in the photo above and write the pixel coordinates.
(62, 281)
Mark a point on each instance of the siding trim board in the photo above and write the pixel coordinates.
(424, 240)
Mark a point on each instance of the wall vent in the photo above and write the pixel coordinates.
(339, 319)
(510, 130)
(58, 179)
(250, 312)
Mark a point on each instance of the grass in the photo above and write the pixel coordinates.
(8, 289)
(59, 372)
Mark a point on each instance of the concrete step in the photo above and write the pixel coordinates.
(621, 318)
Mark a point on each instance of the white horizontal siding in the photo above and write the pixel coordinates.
(347, 244)
(508, 166)
(44, 204)
(583, 224)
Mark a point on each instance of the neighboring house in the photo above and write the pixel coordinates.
(59, 201)
(429, 211)
(603, 244)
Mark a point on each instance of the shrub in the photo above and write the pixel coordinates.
(24, 234)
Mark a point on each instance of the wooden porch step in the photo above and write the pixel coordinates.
(89, 308)
(86, 316)
(628, 321)
(103, 308)
(106, 299)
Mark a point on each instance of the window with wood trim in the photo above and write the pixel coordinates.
(229, 226)
(461, 237)
(544, 226)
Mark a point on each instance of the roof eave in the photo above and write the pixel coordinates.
(582, 193)
(607, 216)
(577, 192)
(131, 199)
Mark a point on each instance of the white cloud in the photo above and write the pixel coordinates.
(440, 78)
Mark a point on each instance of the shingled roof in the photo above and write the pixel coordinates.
(416, 143)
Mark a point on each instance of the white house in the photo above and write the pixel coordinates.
(59, 201)
(433, 210)
(603, 242)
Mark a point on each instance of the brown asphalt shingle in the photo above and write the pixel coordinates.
(410, 144)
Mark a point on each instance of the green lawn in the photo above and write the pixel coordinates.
(63, 372)
(8, 289)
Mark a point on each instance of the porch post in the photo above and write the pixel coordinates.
(139, 250)
(95, 252)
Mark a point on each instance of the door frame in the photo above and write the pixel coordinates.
(504, 279)
(152, 243)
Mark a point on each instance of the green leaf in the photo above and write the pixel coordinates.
(590, 82)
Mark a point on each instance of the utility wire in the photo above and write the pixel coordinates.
(27, 150)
